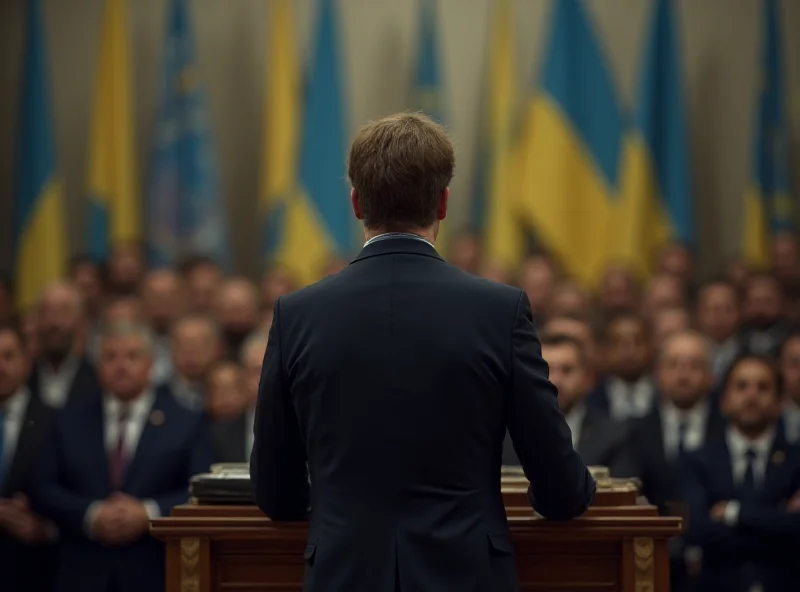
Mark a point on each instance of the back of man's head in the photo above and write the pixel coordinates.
(400, 167)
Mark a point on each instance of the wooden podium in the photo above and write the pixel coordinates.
(617, 546)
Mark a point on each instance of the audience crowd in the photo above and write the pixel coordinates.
(124, 382)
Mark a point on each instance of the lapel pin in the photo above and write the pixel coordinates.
(157, 417)
(778, 457)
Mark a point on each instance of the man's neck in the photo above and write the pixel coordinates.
(429, 234)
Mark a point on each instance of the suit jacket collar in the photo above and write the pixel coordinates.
(398, 245)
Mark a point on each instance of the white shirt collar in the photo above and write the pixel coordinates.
(575, 419)
(391, 235)
(739, 444)
(15, 405)
(138, 408)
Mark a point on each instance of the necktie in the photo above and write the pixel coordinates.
(117, 464)
(2, 447)
(748, 489)
(683, 427)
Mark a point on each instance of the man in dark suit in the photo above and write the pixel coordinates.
(389, 387)
(62, 373)
(111, 464)
(683, 420)
(232, 439)
(743, 490)
(599, 440)
(27, 553)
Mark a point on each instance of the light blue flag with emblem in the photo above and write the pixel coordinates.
(186, 209)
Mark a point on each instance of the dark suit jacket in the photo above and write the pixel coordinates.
(601, 442)
(395, 381)
(73, 473)
(26, 567)
(661, 475)
(84, 384)
(229, 439)
(764, 544)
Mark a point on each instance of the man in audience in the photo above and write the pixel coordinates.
(88, 275)
(676, 260)
(238, 313)
(203, 278)
(62, 373)
(465, 252)
(126, 269)
(196, 347)
(669, 320)
(224, 401)
(718, 318)
(663, 291)
(579, 330)
(789, 360)
(682, 420)
(113, 463)
(765, 325)
(569, 299)
(276, 282)
(627, 391)
(233, 439)
(619, 290)
(162, 299)
(27, 554)
(537, 277)
(598, 440)
(743, 490)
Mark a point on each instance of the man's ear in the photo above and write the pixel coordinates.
(355, 205)
(441, 207)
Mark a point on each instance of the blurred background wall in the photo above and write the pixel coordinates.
(720, 39)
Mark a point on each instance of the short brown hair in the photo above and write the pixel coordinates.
(399, 167)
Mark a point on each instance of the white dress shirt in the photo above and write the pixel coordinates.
(575, 422)
(390, 235)
(791, 420)
(138, 415)
(249, 423)
(694, 419)
(56, 384)
(14, 408)
(723, 354)
(626, 401)
(187, 394)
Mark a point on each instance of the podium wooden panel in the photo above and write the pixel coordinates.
(617, 546)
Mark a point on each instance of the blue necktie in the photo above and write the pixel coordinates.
(2, 447)
(748, 490)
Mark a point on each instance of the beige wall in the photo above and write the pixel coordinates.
(721, 41)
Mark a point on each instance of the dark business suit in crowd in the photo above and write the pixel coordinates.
(74, 472)
(395, 381)
(764, 545)
(25, 567)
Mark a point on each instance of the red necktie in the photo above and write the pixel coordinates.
(117, 464)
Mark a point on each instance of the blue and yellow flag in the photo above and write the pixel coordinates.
(187, 212)
(113, 192)
(428, 91)
(315, 222)
(769, 208)
(656, 204)
(495, 205)
(282, 213)
(39, 236)
(572, 140)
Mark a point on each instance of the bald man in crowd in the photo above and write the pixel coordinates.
(61, 374)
